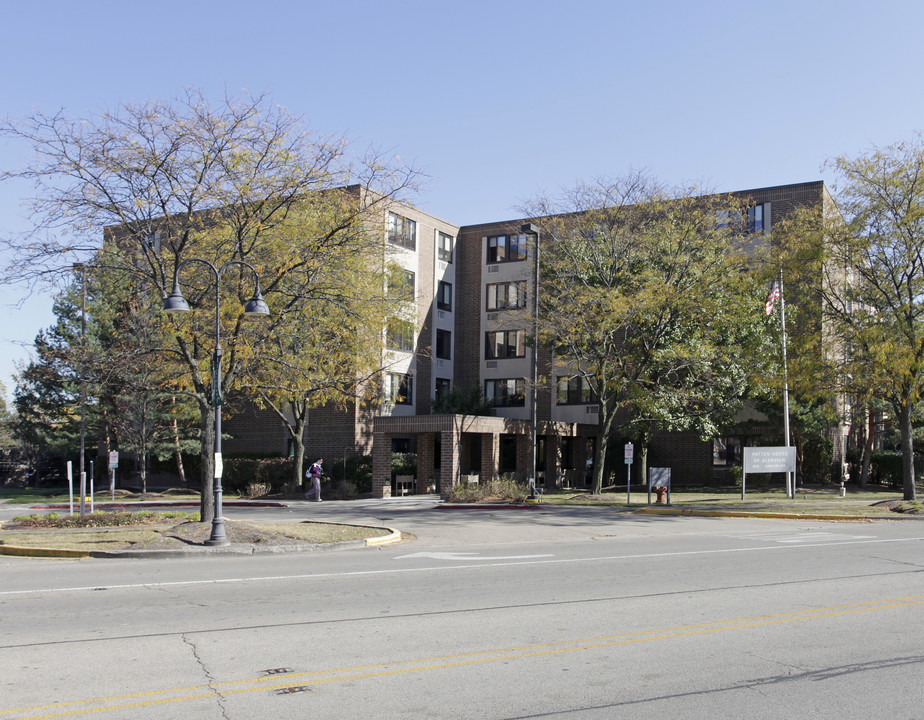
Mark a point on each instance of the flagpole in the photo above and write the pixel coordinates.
(790, 477)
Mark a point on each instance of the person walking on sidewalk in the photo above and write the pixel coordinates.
(314, 474)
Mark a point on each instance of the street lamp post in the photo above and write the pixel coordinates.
(531, 229)
(255, 307)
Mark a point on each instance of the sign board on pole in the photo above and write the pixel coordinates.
(113, 460)
(769, 459)
(219, 466)
(630, 450)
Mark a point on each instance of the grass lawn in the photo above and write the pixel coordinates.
(57, 496)
(873, 502)
(164, 534)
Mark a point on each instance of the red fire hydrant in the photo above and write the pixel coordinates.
(662, 495)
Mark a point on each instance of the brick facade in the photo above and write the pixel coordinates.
(468, 445)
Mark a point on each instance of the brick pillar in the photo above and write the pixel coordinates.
(425, 469)
(524, 448)
(381, 465)
(552, 459)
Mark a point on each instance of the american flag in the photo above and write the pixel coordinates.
(772, 297)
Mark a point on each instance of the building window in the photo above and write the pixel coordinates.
(443, 387)
(401, 285)
(510, 392)
(400, 335)
(726, 451)
(444, 245)
(402, 231)
(152, 242)
(743, 223)
(506, 248)
(505, 344)
(506, 295)
(573, 391)
(444, 296)
(444, 344)
(399, 388)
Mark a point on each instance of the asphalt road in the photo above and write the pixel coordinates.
(542, 613)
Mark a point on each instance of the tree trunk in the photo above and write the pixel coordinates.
(868, 447)
(907, 430)
(602, 445)
(178, 456)
(207, 455)
(297, 431)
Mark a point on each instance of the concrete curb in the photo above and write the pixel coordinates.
(482, 506)
(761, 514)
(393, 536)
(43, 552)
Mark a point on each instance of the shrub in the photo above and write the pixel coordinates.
(504, 489)
(403, 464)
(238, 474)
(886, 468)
(275, 472)
(358, 475)
(255, 490)
(817, 457)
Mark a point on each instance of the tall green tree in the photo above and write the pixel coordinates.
(646, 297)
(7, 434)
(171, 181)
(47, 392)
(868, 272)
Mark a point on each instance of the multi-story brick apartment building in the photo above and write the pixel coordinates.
(472, 288)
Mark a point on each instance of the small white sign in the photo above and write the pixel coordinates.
(219, 466)
(113, 460)
(630, 452)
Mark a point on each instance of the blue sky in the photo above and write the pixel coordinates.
(496, 101)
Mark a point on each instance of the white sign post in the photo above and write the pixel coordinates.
(70, 485)
(768, 460)
(630, 451)
(113, 464)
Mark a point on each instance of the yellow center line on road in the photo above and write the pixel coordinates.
(440, 662)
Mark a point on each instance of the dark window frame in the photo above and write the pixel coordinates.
(493, 292)
(506, 248)
(508, 392)
(401, 231)
(444, 296)
(443, 349)
(399, 335)
(512, 344)
(573, 390)
(399, 388)
(442, 240)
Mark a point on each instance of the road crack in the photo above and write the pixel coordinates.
(210, 681)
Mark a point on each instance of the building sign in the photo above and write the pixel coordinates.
(769, 459)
